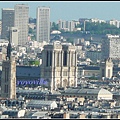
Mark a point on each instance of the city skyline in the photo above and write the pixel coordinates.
(71, 10)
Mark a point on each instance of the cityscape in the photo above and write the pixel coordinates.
(64, 69)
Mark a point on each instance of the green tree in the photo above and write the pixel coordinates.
(54, 26)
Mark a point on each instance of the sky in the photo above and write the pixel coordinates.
(71, 10)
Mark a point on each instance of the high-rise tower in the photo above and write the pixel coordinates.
(8, 80)
(43, 24)
(21, 22)
(7, 21)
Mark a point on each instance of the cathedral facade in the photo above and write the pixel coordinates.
(59, 65)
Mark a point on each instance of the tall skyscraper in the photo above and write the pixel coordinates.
(59, 65)
(43, 24)
(111, 47)
(8, 80)
(21, 22)
(7, 21)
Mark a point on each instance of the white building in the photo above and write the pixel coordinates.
(14, 36)
(111, 47)
(96, 93)
(39, 104)
(106, 68)
(114, 22)
(43, 24)
(21, 22)
(97, 20)
(66, 25)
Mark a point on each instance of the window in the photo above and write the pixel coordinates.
(50, 58)
(47, 58)
(65, 58)
(65, 73)
(58, 59)
(103, 73)
(108, 72)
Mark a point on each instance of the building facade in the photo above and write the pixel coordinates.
(43, 24)
(111, 47)
(14, 35)
(7, 21)
(66, 25)
(106, 68)
(8, 78)
(59, 65)
(21, 22)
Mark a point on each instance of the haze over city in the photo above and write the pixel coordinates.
(59, 60)
(72, 10)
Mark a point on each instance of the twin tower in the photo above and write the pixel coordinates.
(59, 65)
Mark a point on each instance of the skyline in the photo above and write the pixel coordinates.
(71, 10)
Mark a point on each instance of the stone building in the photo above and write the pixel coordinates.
(8, 78)
(59, 65)
(106, 68)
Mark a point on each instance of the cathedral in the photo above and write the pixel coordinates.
(59, 65)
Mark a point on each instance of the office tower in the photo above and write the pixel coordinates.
(106, 68)
(59, 65)
(14, 36)
(8, 80)
(43, 24)
(111, 47)
(7, 21)
(21, 22)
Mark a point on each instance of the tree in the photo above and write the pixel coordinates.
(54, 26)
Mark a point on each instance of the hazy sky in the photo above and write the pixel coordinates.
(72, 10)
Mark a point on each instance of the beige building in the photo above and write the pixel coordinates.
(96, 93)
(59, 65)
(43, 24)
(8, 79)
(106, 68)
(21, 22)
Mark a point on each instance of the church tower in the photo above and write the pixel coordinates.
(59, 65)
(106, 68)
(8, 79)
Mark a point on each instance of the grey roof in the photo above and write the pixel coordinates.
(82, 91)
(25, 71)
(91, 68)
(39, 103)
(31, 91)
(10, 112)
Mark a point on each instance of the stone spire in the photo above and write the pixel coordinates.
(8, 48)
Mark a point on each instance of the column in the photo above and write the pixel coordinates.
(68, 65)
(61, 74)
(75, 63)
